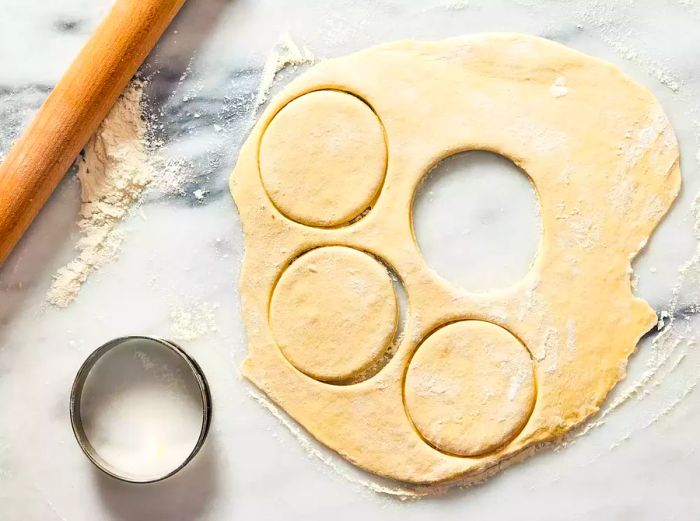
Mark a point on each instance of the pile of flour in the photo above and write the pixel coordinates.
(114, 169)
(120, 162)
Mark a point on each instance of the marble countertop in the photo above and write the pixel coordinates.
(182, 251)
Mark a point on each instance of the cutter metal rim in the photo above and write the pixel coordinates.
(76, 417)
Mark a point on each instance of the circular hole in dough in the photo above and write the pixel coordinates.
(323, 158)
(476, 220)
(333, 313)
(470, 388)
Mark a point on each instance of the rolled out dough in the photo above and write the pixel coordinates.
(476, 378)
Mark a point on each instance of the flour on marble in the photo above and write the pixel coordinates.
(286, 53)
(455, 5)
(172, 175)
(311, 448)
(118, 164)
(596, 14)
(657, 71)
(193, 319)
(113, 171)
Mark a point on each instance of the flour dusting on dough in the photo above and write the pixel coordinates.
(559, 88)
(620, 197)
(550, 355)
(430, 384)
(571, 336)
(456, 5)
(529, 301)
(516, 383)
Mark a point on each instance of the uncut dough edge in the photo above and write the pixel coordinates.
(581, 272)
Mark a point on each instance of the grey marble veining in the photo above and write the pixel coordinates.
(181, 251)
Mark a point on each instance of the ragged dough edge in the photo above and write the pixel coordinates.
(398, 489)
(552, 432)
(418, 489)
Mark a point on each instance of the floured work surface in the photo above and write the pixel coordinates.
(324, 185)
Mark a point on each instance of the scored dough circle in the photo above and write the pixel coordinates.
(333, 313)
(323, 158)
(470, 388)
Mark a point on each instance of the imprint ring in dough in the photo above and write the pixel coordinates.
(322, 158)
(333, 313)
(470, 388)
(474, 379)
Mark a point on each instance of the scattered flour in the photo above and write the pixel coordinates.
(311, 448)
(549, 355)
(116, 166)
(284, 54)
(559, 88)
(600, 15)
(456, 5)
(654, 69)
(113, 171)
(192, 320)
(171, 176)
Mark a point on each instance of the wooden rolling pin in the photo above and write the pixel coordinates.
(74, 109)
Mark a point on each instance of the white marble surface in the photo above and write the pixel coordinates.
(641, 464)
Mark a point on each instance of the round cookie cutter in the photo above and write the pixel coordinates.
(77, 421)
